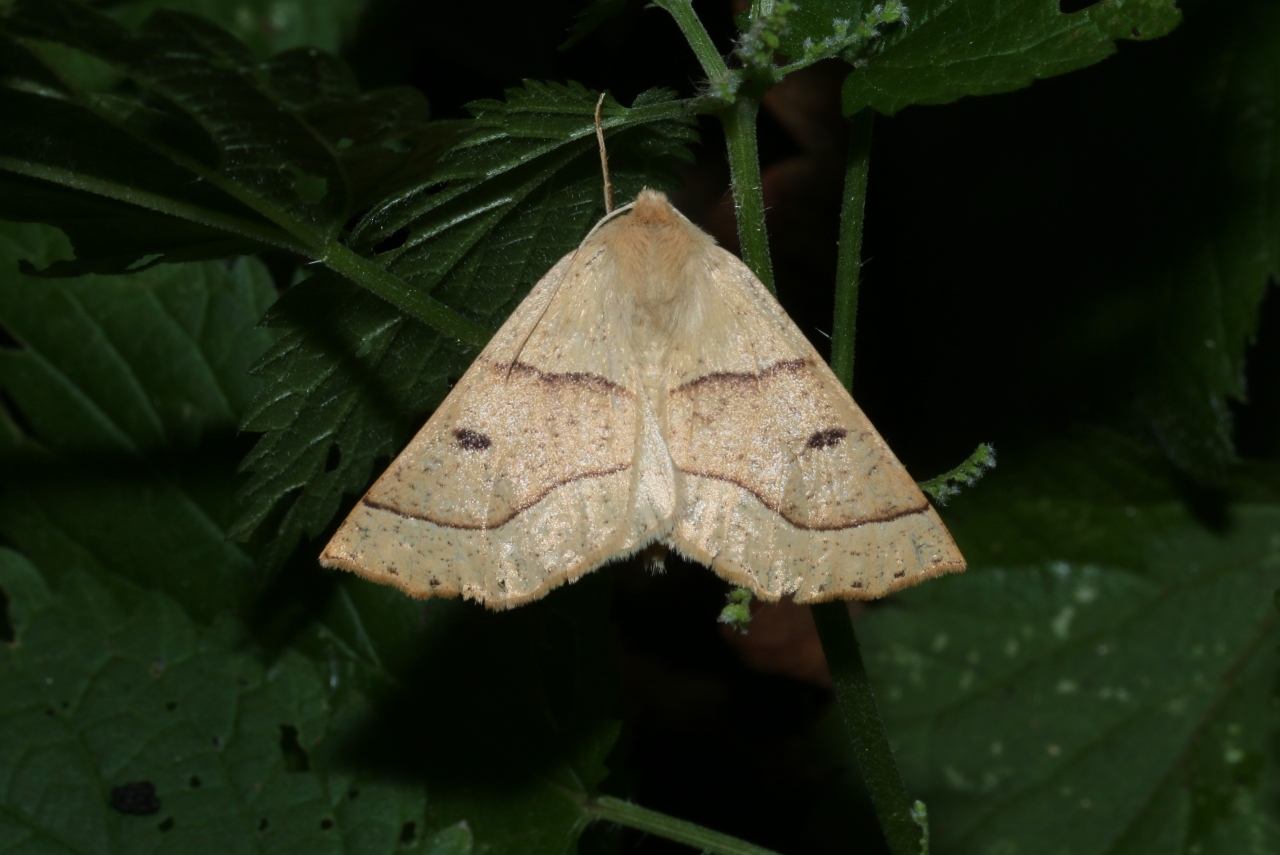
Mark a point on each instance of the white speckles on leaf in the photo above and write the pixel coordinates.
(1061, 624)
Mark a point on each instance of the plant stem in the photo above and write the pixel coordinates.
(849, 248)
(696, 35)
(854, 697)
(403, 296)
(668, 827)
(853, 689)
(862, 722)
(748, 193)
(739, 119)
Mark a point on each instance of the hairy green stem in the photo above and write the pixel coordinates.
(849, 248)
(854, 697)
(856, 701)
(862, 723)
(404, 296)
(696, 35)
(668, 827)
(748, 193)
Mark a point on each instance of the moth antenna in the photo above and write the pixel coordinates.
(604, 158)
(606, 218)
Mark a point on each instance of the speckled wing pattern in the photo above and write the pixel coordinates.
(522, 480)
(785, 486)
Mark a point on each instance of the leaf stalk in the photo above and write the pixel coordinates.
(849, 247)
(748, 191)
(897, 814)
(668, 827)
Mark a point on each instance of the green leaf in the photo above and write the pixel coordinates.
(206, 153)
(499, 182)
(132, 729)
(952, 48)
(1200, 307)
(353, 377)
(506, 718)
(342, 390)
(127, 393)
(210, 111)
(1102, 679)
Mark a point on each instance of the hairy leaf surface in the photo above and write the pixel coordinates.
(951, 48)
(1103, 678)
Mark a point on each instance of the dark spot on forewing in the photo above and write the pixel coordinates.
(826, 437)
(471, 440)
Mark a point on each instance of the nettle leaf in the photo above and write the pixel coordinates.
(353, 377)
(540, 141)
(132, 729)
(123, 396)
(207, 152)
(1201, 310)
(343, 388)
(952, 48)
(1102, 680)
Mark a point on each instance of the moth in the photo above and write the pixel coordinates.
(649, 390)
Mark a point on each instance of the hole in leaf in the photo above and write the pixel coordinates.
(217, 743)
(263, 825)
(326, 824)
(352, 794)
(1256, 418)
(409, 834)
(136, 798)
(167, 824)
(310, 188)
(50, 713)
(194, 782)
(395, 240)
(144, 262)
(6, 622)
(295, 758)
(171, 706)
(333, 459)
(1069, 7)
